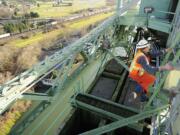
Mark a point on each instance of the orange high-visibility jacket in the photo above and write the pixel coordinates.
(138, 74)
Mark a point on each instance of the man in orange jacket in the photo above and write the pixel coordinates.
(142, 72)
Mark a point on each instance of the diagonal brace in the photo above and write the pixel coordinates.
(124, 122)
(106, 114)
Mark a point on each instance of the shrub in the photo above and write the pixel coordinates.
(38, 5)
(27, 57)
(8, 120)
(11, 28)
(34, 14)
(31, 15)
(7, 58)
(27, 15)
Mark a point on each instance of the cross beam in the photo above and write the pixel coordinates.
(106, 109)
(106, 114)
(124, 122)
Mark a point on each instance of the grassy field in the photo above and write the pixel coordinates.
(69, 27)
(47, 10)
(85, 23)
(35, 39)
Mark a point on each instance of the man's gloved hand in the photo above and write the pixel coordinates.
(168, 66)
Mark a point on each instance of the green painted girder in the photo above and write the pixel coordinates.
(142, 21)
(111, 75)
(118, 5)
(49, 120)
(126, 121)
(137, 20)
(117, 92)
(175, 34)
(36, 96)
(28, 117)
(107, 115)
(160, 7)
(85, 97)
(159, 25)
(112, 111)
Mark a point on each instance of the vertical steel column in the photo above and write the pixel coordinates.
(118, 5)
(121, 4)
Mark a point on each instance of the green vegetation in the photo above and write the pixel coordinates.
(46, 9)
(8, 120)
(85, 22)
(69, 27)
(11, 28)
(31, 15)
(15, 60)
(32, 1)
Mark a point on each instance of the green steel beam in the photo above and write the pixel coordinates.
(56, 113)
(115, 97)
(120, 83)
(175, 31)
(111, 75)
(106, 114)
(110, 102)
(141, 21)
(118, 60)
(160, 84)
(163, 97)
(159, 24)
(36, 96)
(124, 122)
(132, 20)
(28, 118)
(96, 110)
(118, 5)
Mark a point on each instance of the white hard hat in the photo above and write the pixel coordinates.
(142, 44)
